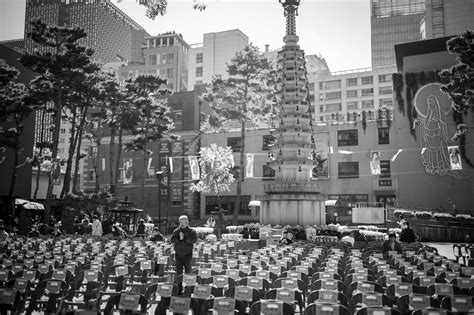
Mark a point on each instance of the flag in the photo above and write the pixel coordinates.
(249, 165)
(396, 155)
(455, 158)
(171, 164)
(375, 163)
(194, 167)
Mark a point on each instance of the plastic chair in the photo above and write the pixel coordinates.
(327, 296)
(368, 299)
(258, 309)
(324, 308)
(378, 311)
(298, 298)
(113, 303)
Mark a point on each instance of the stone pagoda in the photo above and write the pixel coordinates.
(294, 198)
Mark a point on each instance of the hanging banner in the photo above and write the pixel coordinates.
(396, 155)
(375, 163)
(455, 158)
(194, 167)
(249, 165)
(321, 156)
(127, 170)
(103, 164)
(171, 164)
(149, 163)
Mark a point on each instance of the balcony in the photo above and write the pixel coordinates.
(292, 187)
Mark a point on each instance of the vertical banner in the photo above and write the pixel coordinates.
(249, 165)
(194, 167)
(455, 158)
(103, 164)
(375, 163)
(127, 171)
(321, 158)
(171, 164)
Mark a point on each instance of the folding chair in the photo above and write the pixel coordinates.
(291, 296)
(326, 309)
(265, 307)
(127, 303)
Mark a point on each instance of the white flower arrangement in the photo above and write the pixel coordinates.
(368, 228)
(202, 232)
(403, 212)
(464, 216)
(370, 236)
(395, 230)
(420, 214)
(443, 215)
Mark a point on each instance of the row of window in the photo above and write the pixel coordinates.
(366, 104)
(336, 84)
(165, 58)
(384, 90)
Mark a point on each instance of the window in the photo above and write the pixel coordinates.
(367, 80)
(368, 92)
(368, 104)
(268, 141)
(385, 90)
(351, 81)
(171, 41)
(171, 86)
(384, 135)
(91, 176)
(385, 78)
(178, 116)
(268, 172)
(347, 137)
(311, 86)
(333, 96)
(235, 143)
(352, 105)
(385, 168)
(351, 93)
(199, 58)
(386, 102)
(63, 130)
(170, 73)
(321, 108)
(198, 71)
(153, 60)
(336, 84)
(348, 169)
(333, 107)
(320, 85)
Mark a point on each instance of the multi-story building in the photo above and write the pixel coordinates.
(210, 57)
(393, 22)
(345, 95)
(110, 32)
(165, 55)
(447, 17)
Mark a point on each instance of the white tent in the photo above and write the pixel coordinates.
(28, 204)
(254, 203)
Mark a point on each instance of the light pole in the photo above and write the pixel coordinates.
(159, 176)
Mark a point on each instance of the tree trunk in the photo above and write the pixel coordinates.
(14, 169)
(70, 156)
(75, 181)
(113, 187)
(54, 153)
(119, 155)
(98, 156)
(145, 147)
(235, 217)
(43, 113)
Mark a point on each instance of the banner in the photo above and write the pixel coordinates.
(103, 164)
(249, 165)
(321, 157)
(194, 167)
(127, 171)
(455, 158)
(171, 164)
(375, 163)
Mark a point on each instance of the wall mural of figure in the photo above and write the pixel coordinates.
(432, 107)
(127, 171)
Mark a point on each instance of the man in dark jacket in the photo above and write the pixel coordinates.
(183, 239)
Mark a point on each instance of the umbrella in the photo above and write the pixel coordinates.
(29, 204)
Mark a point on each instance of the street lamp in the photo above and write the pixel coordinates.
(159, 176)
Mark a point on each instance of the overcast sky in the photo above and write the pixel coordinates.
(338, 30)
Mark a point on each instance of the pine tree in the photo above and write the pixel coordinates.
(242, 97)
(61, 64)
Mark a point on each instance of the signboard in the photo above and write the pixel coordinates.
(368, 215)
(321, 158)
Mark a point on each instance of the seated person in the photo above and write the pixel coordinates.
(245, 233)
(347, 237)
(57, 232)
(407, 235)
(34, 232)
(141, 229)
(157, 237)
(391, 245)
(285, 239)
(3, 233)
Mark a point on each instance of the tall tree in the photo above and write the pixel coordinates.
(60, 62)
(14, 108)
(242, 97)
(146, 95)
(155, 8)
(460, 87)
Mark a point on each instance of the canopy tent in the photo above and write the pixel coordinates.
(330, 202)
(254, 203)
(30, 205)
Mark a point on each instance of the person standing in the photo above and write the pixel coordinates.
(96, 226)
(183, 239)
(407, 235)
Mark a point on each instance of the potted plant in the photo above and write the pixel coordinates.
(442, 216)
(405, 213)
(423, 215)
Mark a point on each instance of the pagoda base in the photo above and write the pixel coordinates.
(293, 209)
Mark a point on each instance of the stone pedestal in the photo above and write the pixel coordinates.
(293, 209)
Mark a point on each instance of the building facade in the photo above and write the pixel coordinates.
(393, 22)
(210, 57)
(165, 55)
(447, 17)
(176, 197)
(348, 95)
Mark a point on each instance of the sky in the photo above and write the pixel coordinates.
(337, 30)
